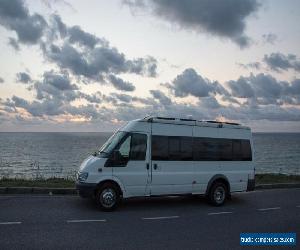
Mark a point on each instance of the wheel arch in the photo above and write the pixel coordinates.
(214, 179)
(114, 181)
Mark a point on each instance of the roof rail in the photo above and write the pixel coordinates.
(229, 123)
(150, 119)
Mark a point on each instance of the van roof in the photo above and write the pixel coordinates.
(192, 122)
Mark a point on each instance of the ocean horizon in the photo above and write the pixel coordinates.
(32, 155)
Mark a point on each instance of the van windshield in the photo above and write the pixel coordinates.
(111, 143)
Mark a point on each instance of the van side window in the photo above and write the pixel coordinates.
(225, 147)
(138, 147)
(160, 148)
(206, 149)
(246, 150)
(174, 148)
(186, 148)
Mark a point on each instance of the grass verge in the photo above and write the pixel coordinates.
(276, 178)
(44, 183)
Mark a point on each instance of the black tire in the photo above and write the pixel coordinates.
(108, 197)
(217, 194)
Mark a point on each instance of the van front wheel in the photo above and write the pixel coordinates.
(217, 194)
(108, 197)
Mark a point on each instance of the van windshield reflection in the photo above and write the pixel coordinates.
(111, 143)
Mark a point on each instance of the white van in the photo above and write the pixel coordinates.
(168, 156)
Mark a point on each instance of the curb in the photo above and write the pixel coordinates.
(37, 190)
(73, 191)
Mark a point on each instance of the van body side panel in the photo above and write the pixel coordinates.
(168, 176)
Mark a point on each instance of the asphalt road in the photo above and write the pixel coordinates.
(69, 222)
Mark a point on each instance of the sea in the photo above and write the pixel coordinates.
(44, 155)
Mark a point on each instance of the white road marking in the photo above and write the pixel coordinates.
(161, 217)
(219, 213)
(269, 208)
(79, 221)
(11, 223)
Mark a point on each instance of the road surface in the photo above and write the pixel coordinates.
(69, 222)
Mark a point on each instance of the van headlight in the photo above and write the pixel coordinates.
(82, 176)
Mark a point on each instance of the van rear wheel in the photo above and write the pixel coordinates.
(108, 197)
(217, 194)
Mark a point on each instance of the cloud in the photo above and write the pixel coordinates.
(99, 61)
(190, 83)
(161, 97)
(15, 16)
(264, 89)
(120, 84)
(270, 38)
(13, 43)
(59, 81)
(35, 108)
(253, 65)
(71, 48)
(77, 35)
(143, 66)
(279, 62)
(225, 19)
(23, 77)
(1, 80)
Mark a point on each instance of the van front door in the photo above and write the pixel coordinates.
(130, 165)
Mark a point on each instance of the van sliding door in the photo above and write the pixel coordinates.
(171, 164)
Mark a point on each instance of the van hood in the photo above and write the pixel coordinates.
(92, 162)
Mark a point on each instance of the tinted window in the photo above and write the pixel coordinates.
(138, 147)
(160, 148)
(174, 148)
(246, 150)
(237, 150)
(186, 148)
(206, 149)
(225, 149)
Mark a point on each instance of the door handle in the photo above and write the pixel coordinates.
(147, 166)
(155, 166)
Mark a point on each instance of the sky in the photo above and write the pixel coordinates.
(93, 66)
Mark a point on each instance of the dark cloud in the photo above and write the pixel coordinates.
(225, 18)
(59, 81)
(77, 35)
(23, 77)
(1, 80)
(264, 89)
(159, 95)
(15, 16)
(99, 61)
(269, 38)
(279, 62)
(57, 29)
(143, 66)
(93, 98)
(35, 108)
(120, 84)
(209, 102)
(13, 43)
(190, 83)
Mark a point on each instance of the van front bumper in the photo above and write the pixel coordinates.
(250, 185)
(86, 190)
